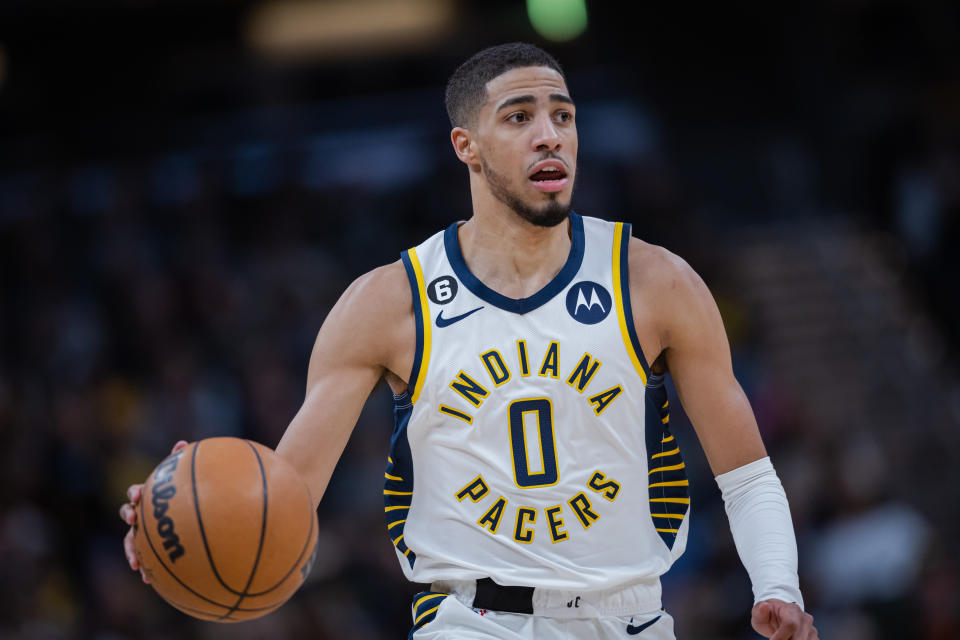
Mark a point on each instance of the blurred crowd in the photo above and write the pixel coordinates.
(177, 294)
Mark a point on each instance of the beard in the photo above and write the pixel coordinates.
(549, 214)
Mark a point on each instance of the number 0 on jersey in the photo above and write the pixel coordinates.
(543, 410)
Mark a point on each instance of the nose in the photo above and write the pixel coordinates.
(546, 135)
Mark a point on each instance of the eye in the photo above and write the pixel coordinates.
(517, 117)
(564, 116)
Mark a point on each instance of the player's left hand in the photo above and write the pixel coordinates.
(779, 620)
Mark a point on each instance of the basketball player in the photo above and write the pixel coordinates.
(532, 479)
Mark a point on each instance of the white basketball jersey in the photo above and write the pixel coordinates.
(533, 445)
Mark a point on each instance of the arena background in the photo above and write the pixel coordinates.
(187, 186)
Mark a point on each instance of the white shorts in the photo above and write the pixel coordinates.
(447, 613)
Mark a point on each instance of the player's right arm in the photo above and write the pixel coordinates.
(369, 334)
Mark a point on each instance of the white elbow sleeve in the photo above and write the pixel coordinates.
(762, 530)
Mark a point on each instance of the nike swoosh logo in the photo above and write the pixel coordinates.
(446, 322)
(632, 630)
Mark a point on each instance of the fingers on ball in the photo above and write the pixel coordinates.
(128, 550)
(128, 514)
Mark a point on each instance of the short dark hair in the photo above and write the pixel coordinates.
(467, 87)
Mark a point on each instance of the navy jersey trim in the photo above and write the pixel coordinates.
(415, 288)
(668, 485)
(625, 296)
(517, 305)
(424, 609)
(398, 477)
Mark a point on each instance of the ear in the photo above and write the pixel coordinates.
(464, 145)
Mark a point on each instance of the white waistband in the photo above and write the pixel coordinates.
(642, 597)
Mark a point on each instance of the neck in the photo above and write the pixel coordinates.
(508, 254)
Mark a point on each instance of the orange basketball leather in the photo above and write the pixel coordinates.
(227, 530)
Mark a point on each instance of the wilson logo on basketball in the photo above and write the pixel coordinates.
(247, 518)
(163, 491)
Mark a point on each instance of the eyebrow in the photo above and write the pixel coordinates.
(529, 99)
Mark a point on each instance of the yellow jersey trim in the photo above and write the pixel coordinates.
(618, 294)
(425, 315)
(425, 614)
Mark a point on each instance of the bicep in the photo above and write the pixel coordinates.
(698, 358)
(348, 358)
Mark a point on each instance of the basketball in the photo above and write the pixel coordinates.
(226, 530)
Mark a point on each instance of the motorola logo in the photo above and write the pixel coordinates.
(588, 302)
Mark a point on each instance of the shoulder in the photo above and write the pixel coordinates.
(657, 269)
(371, 318)
(385, 289)
(668, 291)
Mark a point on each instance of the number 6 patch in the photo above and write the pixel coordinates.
(442, 290)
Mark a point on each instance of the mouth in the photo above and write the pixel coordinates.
(548, 176)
